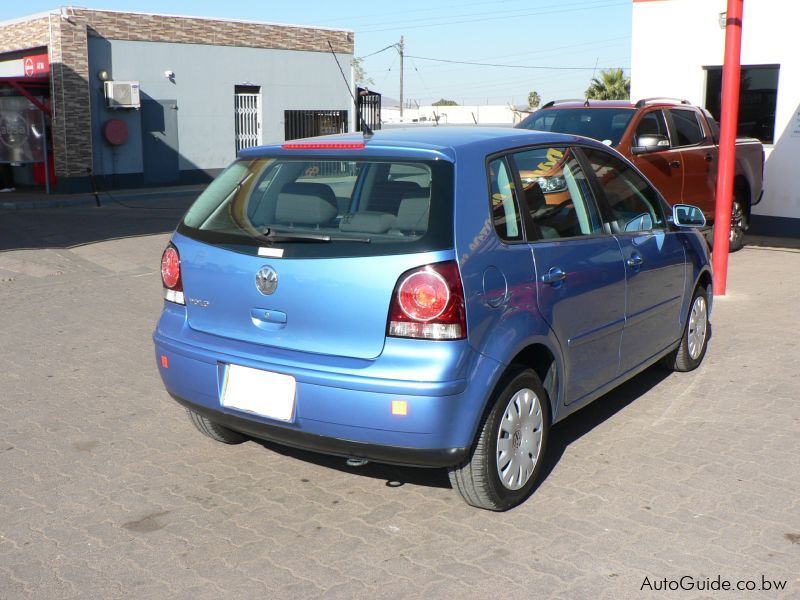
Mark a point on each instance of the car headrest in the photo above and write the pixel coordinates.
(412, 215)
(386, 196)
(305, 204)
(534, 196)
(367, 222)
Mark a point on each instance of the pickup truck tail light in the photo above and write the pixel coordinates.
(428, 303)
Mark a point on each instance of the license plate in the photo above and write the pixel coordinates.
(262, 393)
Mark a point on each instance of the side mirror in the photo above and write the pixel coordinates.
(686, 215)
(650, 143)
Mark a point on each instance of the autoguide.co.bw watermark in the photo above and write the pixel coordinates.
(690, 583)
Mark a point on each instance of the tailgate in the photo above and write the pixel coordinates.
(335, 306)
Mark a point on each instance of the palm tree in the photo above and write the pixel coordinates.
(612, 85)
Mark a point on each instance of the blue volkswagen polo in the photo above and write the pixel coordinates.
(434, 297)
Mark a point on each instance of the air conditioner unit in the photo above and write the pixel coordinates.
(122, 94)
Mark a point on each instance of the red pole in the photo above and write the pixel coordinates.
(727, 144)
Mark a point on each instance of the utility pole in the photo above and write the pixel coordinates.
(400, 48)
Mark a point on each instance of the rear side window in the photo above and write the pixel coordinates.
(557, 193)
(327, 208)
(687, 128)
(633, 202)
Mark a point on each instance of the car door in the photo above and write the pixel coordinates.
(655, 260)
(664, 168)
(580, 278)
(698, 156)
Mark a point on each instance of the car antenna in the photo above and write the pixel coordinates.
(368, 133)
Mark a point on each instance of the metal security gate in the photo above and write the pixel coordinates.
(309, 123)
(247, 106)
(369, 105)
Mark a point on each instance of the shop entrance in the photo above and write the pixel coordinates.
(25, 147)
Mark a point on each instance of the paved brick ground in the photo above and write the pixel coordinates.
(107, 491)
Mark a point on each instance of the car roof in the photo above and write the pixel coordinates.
(445, 141)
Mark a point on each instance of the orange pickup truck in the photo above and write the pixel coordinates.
(672, 142)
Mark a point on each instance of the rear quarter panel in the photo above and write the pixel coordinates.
(502, 332)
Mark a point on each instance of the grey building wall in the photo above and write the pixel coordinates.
(203, 91)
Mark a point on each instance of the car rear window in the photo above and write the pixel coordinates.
(326, 208)
(603, 124)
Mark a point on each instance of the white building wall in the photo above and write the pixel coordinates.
(673, 40)
(479, 114)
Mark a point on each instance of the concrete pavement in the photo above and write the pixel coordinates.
(106, 490)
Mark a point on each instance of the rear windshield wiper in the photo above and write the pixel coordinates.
(286, 236)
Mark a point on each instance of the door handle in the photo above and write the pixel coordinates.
(634, 261)
(553, 276)
(675, 164)
(709, 157)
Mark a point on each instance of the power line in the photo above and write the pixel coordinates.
(547, 49)
(378, 51)
(448, 22)
(405, 12)
(514, 12)
(482, 64)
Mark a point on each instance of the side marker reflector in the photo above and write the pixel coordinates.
(399, 407)
(164, 361)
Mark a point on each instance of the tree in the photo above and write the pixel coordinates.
(534, 100)
(611, 85)
(444, 102)
(358, 73)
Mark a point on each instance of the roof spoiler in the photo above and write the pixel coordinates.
(661, 100)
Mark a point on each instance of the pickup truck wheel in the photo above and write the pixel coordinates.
(507, 458)
(694, 341)
(214, 430)
(738, 225)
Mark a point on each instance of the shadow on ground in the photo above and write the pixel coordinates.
(562, 435)
(763, 242)
(79, 225)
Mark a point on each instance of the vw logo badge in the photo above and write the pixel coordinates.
(266, 280)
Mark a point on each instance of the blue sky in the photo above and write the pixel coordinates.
(550, 33)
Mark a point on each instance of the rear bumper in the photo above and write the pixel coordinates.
(396, 455)
(342, 406)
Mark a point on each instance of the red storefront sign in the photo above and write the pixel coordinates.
(36, 65)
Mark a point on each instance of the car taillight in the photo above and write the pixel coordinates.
(428, 303)
(171, 275)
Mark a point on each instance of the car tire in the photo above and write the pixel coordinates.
(694, 340)
(508, 454)
(214, 430)
(739, 225)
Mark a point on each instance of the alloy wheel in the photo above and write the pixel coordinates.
(698, 325)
